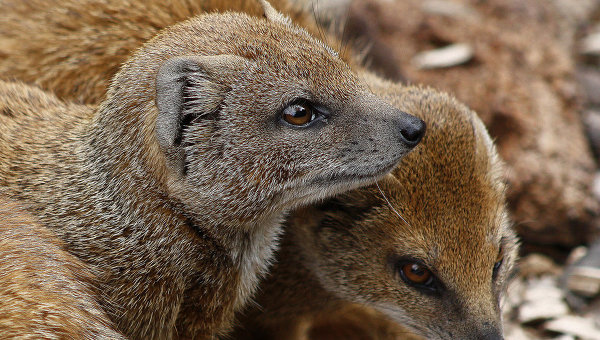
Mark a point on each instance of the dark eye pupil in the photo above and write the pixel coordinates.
(496, 268)
(299, 111)
(417, 270)
(416, 274)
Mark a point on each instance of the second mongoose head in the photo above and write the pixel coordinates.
(430, 245)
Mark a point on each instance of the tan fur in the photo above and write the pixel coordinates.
(180, 217)
(74, 47)
(449, 191)
(45, 292)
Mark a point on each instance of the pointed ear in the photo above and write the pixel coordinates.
(188, 88)
(273, 15)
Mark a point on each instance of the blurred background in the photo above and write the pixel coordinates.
(531, 70)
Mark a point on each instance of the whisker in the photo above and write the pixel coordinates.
(390, 204)
(345, 41)
(318, 21)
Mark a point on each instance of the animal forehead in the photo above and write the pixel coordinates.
(462, 227)
(254, 38)
(278, 51)
(305, 60)
(434, 229)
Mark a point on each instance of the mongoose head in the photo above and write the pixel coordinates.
(251, 114)
(432, 246)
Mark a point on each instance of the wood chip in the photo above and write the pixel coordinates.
(574, 325)
(451, 55)
(542, 310)
(542, 289)
(591, 44)
(584, 281)
(538, 265)
(543, 300)
(564, 337)
(516, 333)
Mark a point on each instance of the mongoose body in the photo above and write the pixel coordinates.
(51, 42)
(174, 188)
(432, 250)
(45, 292)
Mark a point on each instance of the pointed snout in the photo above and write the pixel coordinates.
(412, 129)
(490, 332)
(403, 129)
(478, 331)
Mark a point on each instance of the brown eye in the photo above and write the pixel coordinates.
(416, 274)
(299, 114)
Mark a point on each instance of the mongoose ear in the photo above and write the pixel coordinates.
(273, 15)
(188, 88)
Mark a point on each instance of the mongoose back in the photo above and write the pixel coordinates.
(432, 250)
(45, 292)
(174, 188)
(74, 47)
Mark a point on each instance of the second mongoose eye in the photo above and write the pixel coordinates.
(498, 263)
(416, 274)
(497, 266)
(300, 114)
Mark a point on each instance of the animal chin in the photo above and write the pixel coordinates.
(321, 186)
(354, 178)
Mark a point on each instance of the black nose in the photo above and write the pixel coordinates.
(412, 129)
(489, 332)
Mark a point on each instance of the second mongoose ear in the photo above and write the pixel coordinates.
(189, 88)
(273, 15)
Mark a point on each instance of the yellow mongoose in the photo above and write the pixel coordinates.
(174, 188)
(45, 292)
(435, 258)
